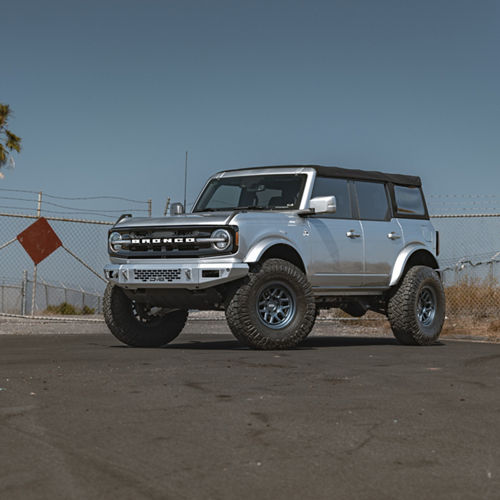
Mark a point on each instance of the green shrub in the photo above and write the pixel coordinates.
(88, 310)
(66, 309)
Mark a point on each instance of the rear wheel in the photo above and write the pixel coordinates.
(416, 310)
(274, 308)
(140, 325)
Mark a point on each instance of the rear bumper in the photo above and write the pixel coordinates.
(190, 276)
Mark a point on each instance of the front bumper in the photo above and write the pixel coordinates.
(193, 276)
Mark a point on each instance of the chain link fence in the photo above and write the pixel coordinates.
(70, 281)
(51, 299)
(55, 299)
(469, 259)
(62, 284)
(470, 263)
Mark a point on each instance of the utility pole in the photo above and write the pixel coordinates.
(185, 180)
(166, 206)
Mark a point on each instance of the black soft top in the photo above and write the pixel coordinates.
(364, 175)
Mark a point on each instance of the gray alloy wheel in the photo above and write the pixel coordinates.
(426, 305)
(276, 305)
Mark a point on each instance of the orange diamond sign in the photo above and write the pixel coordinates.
(39, 240)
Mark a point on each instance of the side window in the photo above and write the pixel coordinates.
(372, 201)
(409, 201)
(327, 186)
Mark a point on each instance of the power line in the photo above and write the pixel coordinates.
(94, 198)
(60, 212)
(17, 199)
(121, 210)
(18, 190)
(45, 195)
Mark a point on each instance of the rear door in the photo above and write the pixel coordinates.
(382, 234)
(336, 239)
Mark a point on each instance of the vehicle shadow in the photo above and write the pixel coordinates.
(310, 343)
(225, 344)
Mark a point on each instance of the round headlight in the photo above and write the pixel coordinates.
(224, 239)
(114, 241)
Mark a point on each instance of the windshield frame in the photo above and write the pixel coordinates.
(304, 181)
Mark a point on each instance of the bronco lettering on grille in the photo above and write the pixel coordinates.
(159, 241)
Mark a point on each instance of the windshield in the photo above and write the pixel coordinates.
(252, 192)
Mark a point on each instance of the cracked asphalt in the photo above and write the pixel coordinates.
(82, 416)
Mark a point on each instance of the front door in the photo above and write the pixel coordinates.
(336, 240)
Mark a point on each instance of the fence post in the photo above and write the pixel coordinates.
(3, 287)
(39, 206)
(24, 289)
(33, 295)
(150, 207)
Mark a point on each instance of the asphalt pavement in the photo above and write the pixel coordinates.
(82, 416)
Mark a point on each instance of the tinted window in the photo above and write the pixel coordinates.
(326, 186)
(224, 196)
(372, 200)
(409, 200)
(280, 191)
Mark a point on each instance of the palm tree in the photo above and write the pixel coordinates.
(8, 141)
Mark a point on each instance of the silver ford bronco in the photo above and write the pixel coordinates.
(271, 246)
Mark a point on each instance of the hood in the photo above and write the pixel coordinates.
(199, 219)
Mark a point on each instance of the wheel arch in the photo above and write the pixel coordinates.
(413, 255)
(276, 249)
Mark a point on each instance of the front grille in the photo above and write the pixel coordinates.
(157, 275)
(152, 242)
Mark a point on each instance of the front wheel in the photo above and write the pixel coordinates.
(416, 310)
(139, 325)
(274, 308)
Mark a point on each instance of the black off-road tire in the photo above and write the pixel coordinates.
(124, 324)
(405, 305)
(246, 322)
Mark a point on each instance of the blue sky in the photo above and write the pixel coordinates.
(108, 95)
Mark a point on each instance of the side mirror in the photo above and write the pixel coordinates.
(323, 205)
(176, 209)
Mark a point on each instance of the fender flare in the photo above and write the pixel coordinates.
(257, 251)
(402, 259)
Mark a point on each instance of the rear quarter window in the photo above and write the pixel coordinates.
(409, 201)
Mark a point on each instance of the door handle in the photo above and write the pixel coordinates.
(352, 234)
(393, 236)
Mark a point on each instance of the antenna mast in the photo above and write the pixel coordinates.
(185, 180)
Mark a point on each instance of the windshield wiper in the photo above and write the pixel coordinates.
(256, 207)
(231, 209)
(214, 210)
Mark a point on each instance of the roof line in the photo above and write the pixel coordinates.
(340, 172)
